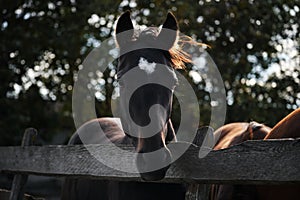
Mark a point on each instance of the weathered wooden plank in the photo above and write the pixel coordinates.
(252, 162)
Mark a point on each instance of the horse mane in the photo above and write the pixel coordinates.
(179, 57)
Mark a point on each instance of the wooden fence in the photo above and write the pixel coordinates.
(252, 162)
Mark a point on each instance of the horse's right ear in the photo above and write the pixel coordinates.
(124, 29)
(168, 35)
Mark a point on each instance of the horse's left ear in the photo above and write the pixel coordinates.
(169, 32)
(124, 29)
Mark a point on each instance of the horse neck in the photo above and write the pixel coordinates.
(288, 127)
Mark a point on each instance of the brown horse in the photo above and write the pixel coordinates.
(229, 135)
(145, 60)
(148, 54)
(235, 133)
(238, 132)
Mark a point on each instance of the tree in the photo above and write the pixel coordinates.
(255, 45)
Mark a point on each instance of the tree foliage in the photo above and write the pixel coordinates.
(255, 45)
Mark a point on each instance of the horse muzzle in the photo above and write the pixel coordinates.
(153, 166)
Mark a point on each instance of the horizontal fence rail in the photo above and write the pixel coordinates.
(252, 162)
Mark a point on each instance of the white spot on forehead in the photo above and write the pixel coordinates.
(146, 66)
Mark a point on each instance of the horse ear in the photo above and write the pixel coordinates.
(125, 25)
(171, 22)
(169, 32)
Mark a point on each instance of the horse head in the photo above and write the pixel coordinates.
(147, 80)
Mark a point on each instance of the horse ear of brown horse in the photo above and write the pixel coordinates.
(169, 32)
(124, 29)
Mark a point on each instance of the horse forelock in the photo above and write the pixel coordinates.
(149, 31)
(176, 55)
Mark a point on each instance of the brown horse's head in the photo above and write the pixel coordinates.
(257, 131)
(147, 80)
(238, 132)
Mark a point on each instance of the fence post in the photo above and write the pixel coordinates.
(200, 191)
(192, 192)
(17, 190)
(197, 192)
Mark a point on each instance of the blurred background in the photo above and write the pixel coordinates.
(255, 45)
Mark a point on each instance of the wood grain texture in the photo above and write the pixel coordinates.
(252, 162)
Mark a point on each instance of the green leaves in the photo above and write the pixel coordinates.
(49, 40)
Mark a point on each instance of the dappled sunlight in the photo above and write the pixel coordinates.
(254, 44)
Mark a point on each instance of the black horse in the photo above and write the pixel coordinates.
(152, 55)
